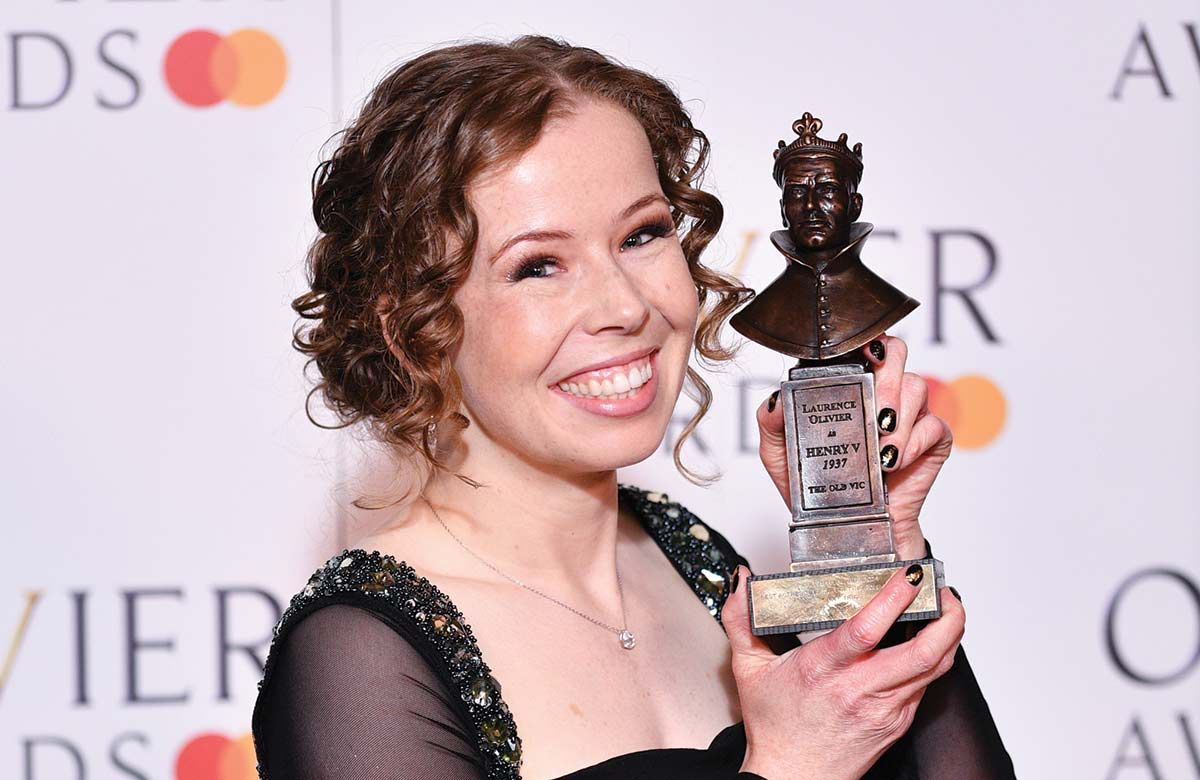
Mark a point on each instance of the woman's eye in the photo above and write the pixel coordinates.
(646, 234)
(537, 268)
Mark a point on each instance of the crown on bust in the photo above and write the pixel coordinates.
(809, 143)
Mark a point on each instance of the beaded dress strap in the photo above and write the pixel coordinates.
(391, 586)
(700, 555)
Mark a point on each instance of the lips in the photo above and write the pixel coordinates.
(624, 358)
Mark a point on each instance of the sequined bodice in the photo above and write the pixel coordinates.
(699, 554)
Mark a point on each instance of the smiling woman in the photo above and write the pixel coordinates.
(507, 288)
(401, 229)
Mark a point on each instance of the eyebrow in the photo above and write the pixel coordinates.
(552, 235)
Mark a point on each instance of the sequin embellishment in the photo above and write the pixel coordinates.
(683, 538)
(377, 576)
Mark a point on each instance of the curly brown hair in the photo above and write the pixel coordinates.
(379, 321)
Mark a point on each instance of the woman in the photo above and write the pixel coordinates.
(507, 287)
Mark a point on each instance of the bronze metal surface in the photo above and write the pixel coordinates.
(826, 303)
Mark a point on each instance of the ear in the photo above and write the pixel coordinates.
(855, 206)
(783, 213)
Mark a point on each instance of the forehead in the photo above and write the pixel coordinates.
(588, 164)
(811, 167)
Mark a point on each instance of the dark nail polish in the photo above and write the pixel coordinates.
(735, 581)
(772, 401)
(887, 419)
(888, 455)
(914, 574)
(877, 350)
(954, 590)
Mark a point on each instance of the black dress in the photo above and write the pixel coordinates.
(374, 673)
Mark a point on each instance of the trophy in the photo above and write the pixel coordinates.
(823, 308)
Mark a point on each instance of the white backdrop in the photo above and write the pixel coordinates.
(163, 493)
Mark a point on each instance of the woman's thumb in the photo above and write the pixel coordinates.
(735, 617)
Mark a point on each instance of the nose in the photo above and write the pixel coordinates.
(810, 199)
(614, 298)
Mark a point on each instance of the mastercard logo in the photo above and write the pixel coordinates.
(217, 757)
(246, 67)
(972, 405)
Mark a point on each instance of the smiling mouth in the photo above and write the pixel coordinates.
(611, 382)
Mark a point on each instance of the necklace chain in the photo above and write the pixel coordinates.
(623, 633)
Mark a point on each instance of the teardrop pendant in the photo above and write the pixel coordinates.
(628, 641)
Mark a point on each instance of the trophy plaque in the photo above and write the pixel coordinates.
(823, 309)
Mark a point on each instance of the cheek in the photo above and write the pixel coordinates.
(676, 297)
(505, 342)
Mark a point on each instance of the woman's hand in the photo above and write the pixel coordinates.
(913, 444)
(830, 708)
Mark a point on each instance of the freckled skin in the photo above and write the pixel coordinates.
(600, 297)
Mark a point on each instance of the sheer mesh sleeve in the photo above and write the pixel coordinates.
(349, 697)
(953, 734)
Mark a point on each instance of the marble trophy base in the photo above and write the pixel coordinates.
(794, 602)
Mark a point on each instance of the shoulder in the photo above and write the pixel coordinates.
(700, 554)
(365, 624)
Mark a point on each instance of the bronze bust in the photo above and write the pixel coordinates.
(826, 303)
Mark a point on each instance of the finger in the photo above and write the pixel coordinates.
(735, 617)
(926, 656)
(889, 374)
(858, 635)
(921, 682)
(772, 444)
(930, 431)
(875, 352)
(913, 405)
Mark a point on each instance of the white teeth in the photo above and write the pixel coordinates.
(621, 384)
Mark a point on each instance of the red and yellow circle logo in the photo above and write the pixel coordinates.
(246, 67)
(972, 405)
(217, 757)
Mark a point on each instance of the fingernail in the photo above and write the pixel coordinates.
(914, 574)
(737, 578)
(954, 590)
(887, 419)
(888, 455)
(877, 350)
(772, 400)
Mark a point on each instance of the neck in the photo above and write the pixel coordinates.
(534, 524)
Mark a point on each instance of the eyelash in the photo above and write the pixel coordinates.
(657, 229)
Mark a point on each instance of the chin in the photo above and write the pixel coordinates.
(814, 240)
(610, 446)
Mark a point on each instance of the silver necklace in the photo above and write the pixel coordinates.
(628, 641)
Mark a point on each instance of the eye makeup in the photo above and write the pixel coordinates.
(527, 266)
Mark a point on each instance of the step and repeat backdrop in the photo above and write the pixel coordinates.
(1032, 173)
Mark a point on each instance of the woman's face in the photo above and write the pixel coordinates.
(579, 308)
